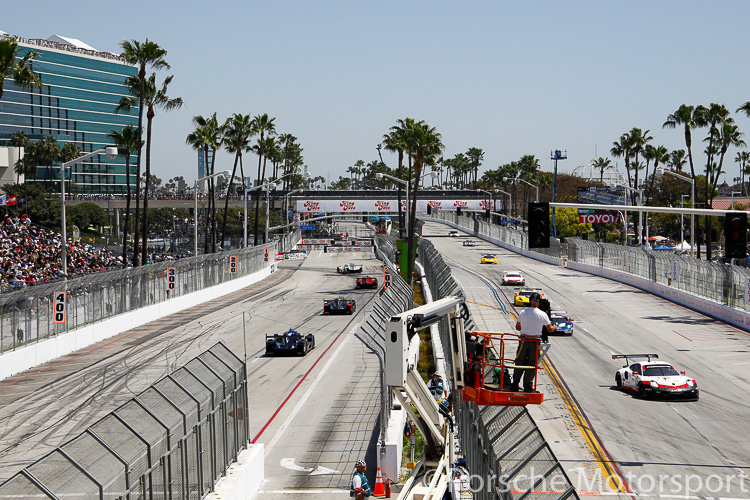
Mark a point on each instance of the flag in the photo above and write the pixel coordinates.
(2, 201)
(11, 200)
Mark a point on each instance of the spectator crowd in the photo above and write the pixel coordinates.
(30, 255)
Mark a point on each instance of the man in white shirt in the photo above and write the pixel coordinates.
(530, 323)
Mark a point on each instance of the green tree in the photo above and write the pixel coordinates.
(263, 125)
(85, 215)
(17, 68)
(236, 133)
(207, 137)
(602, 164)
(146, 54)
(475, 156)
(127, 143)
(19, 140)
(566, 222)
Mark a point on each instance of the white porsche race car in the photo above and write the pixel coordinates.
(654, 378)
(514, 278)
(349, 268)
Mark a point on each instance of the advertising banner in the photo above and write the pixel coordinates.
(597, 217)
(346, 249)
(602, 195)
(386, 206)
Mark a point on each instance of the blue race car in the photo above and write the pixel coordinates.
(290, 342)
(564, 323)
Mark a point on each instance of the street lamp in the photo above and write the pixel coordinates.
(734, 193)
(557, 154)
(640, 214)
(510, 200)
(286, 206)
(682, 220)
(692, 202)
(225, 173)
(111, 152)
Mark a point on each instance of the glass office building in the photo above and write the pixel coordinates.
(80, 90)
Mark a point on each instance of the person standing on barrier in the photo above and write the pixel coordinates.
(530, 323)
(436, 386)
(360, 488)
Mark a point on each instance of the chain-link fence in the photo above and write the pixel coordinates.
(501, 445)
(397, 298)
(26, 315)
(172, 441)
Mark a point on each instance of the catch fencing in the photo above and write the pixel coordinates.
(172, 441)
(501, 444)
(398, 298)
(26, 315)
(726, 284)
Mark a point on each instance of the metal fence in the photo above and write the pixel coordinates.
(502, 445)
(397, 298)
(26, 315)
(172, 441)
(722, 283)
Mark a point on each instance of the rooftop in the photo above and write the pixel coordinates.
(65, 43)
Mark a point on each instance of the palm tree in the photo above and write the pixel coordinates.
(659, 154)
(677, 159)
(20, 71)
(729, 135)
(395, 143)
(154, 98)
(287, 141)
(742, 158)
(685, 116)
(19, 140)
(237, 131)
(140, 54)
(127, 142)
(262, 125)
(207, 137)
(602, 164)
(47, 153)
(426, 143)
(476, 156)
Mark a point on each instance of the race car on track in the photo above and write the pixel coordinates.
(521, 295)
(564, 323)
(514, 278)
(349, 268)
(469, 243)
(367, 282)
(339, 305)
(290, 342)
(654, 378)
(453, 233)
(488, 259)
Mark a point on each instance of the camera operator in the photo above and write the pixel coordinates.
(531, 322)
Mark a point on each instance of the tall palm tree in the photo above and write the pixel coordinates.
(47, 153)
(426, 143)
(287, 142)
(742, 158)
(476, 156)
(154, 97)
(207, 137)
(677, 159)
(262, 125)
(659, 154)
(142, 55)
(19, 140)
(685, 116)
(395, 142)
(236, 133)
(16, 68)
(127, 142)
(728, 135)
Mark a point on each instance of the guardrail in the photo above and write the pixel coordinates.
(174, 440)
(28, 315)
(502, 446)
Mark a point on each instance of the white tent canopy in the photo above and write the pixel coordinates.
(683, 246)
(65, 40)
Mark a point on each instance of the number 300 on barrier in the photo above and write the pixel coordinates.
(60, 305)
(171, 278)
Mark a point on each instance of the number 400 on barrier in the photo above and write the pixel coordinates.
(60, 307)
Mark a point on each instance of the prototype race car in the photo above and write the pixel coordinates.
(521, 295)
(452, 233)
(290, 342)
(488, 259)
(514, 278)
(469, 243)
(564, 323)
(349, 268)
(654, 378)
(367, 282)
(339, 305)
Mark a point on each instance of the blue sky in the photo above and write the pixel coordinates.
(512, 78)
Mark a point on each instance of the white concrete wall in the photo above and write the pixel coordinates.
(41, 352)
(244, 477)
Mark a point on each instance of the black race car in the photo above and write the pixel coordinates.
(367, 282)
(291, 343)
(339, 305)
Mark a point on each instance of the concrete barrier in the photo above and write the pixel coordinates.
(244, 477)
(46, 350)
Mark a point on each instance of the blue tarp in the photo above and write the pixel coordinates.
(663, 247)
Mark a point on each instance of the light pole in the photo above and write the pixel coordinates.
(734, 193)
(682, 219)
(225, 173)
(557, 154)
(692, 202)
(111, 152)
(640, 214)
(510, 200)
(532, 185)
(286, 206)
